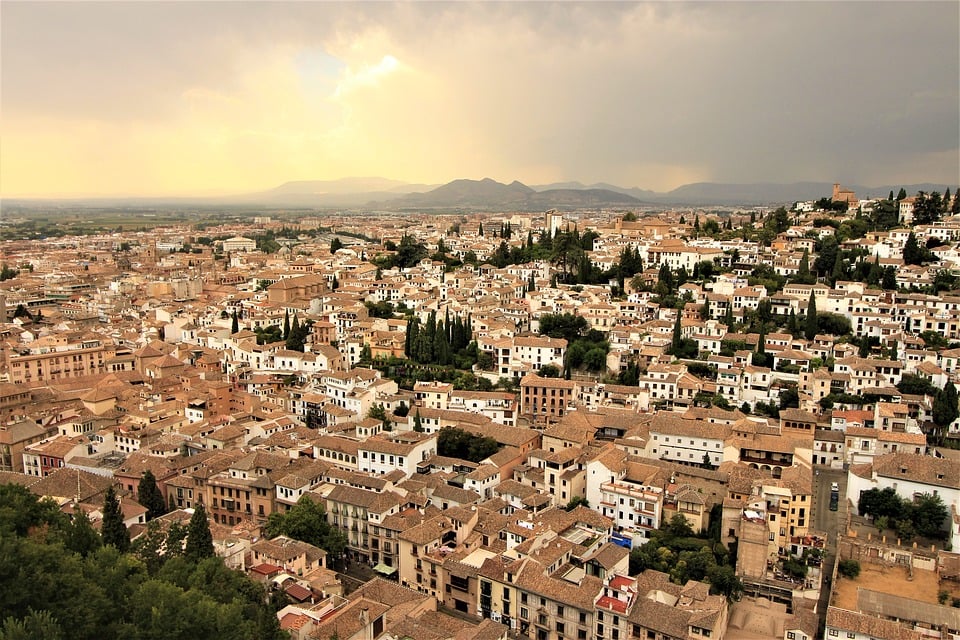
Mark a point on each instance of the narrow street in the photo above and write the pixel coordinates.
(828, 522)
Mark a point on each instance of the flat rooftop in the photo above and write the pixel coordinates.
(892, 580)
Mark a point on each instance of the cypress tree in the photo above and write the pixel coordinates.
(81, 537)
(441, 346)
(480, 230)
(413, 329)
(803, 273)
(286, 324)
(148, 494)
(235, 323)
(945, 406)
(417, 423)
(199, 538)
(429, 336)
(728, 316)
(839, 270)
(911, 251)
(112, 529)
(705, 311)
(793, 324)
(677, 339)
(810, 325)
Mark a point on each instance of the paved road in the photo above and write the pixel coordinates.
(824, 519)
(828, 522)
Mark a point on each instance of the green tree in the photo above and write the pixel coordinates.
(945, 406)
(810, 321)
(81, 537)
(148, 494)
(307, 521)
(678, 526)
(550, 371)
(928, 514)
(889, 280)
(37, 624)
(286, 324)
(724, 581)
(677, 340)
(21, 512)
(577, 501)
(176, 539)
(927, 208)
(803, 272)
(234, 323)
(112, 528)
(567, 326)
(417, 422)
(457, 443)
(912, 254)
(849, 569)
(336, 244)
(6, 273)
(199, 538)
(149, 547)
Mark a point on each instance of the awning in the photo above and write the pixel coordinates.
(384, 569)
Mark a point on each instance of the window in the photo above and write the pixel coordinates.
(791, 635)
(834, 633)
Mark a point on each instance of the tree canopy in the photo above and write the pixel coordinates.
(924, 516)
(112, 528)
(457, 443)
(49, 590)
(307, 521)
(149, 495)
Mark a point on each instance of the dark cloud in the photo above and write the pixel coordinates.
(859, 92)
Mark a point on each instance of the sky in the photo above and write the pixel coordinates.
(194, 98)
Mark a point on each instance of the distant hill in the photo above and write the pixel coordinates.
(641, 194)
(488, 193)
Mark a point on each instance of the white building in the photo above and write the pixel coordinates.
(381, 454)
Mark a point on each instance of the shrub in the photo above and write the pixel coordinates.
(849, 569)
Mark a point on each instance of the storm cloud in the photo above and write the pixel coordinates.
(190, 98)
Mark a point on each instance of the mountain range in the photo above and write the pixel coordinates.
(489, 195)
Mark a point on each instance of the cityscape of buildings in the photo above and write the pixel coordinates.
(573, 425)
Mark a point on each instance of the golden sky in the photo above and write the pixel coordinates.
(225, 98)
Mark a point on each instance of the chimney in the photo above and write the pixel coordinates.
(365, 616)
